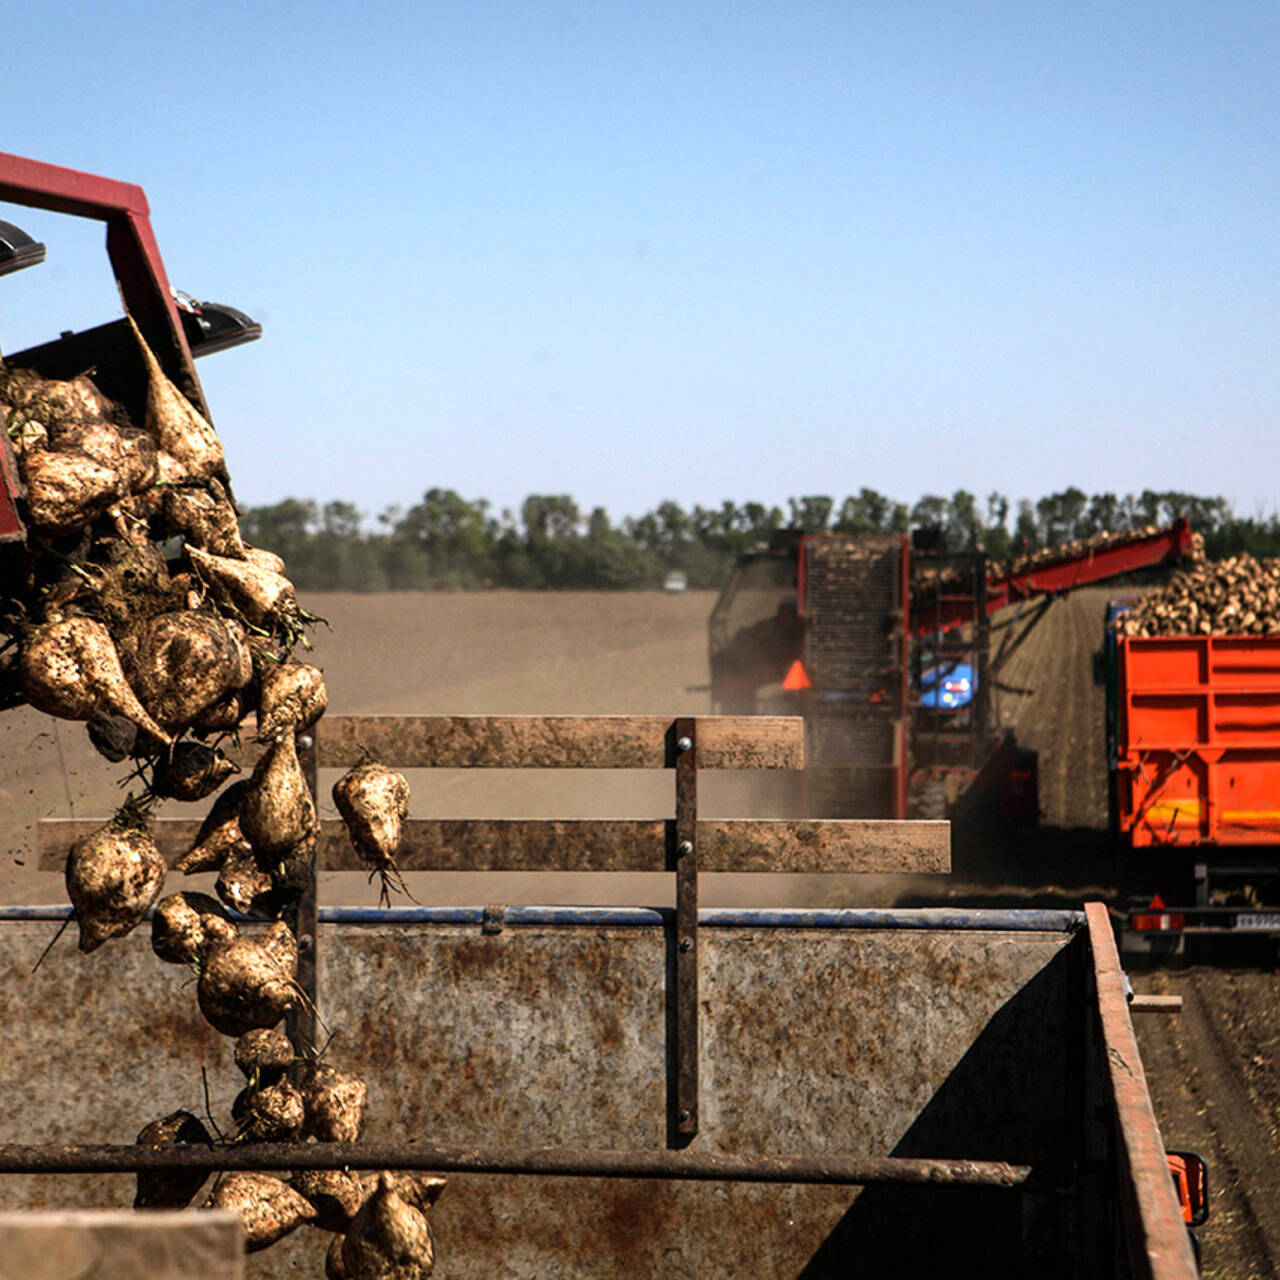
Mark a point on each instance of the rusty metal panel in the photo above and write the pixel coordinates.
(443, 844)
(556, 742)
(92, 1048)
(860, 1042)
(819, 1040)
(113, 1245)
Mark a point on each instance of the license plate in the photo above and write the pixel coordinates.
(1258, 920)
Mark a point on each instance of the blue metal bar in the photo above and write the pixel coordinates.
(1019, 921)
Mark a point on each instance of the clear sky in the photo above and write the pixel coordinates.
(689, 250)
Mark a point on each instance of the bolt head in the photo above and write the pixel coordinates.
(685, 848)
(306, 742)
(686, 944)
(684, 744)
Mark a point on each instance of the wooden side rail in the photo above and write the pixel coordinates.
(683, 844)
(449, 844)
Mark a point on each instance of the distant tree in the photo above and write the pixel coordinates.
(964, 525)
(812, 513)
(1060, 515)
(451, 535)
(868, 512)
(930, 512)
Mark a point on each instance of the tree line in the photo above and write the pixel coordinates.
(447, 542)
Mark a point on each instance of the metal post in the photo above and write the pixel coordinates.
(686, 958)
(302, 919)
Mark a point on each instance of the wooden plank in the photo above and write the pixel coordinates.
(55, 836)
(556, 742)
(517, 845)
(844, 845)
(430, 844)
(163, 1244)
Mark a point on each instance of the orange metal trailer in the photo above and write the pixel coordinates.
(1198, 744)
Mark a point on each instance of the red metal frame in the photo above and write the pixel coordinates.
(904, 649)
(135, 261)
(1138, 551)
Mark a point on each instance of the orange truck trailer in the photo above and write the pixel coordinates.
(1193, 747)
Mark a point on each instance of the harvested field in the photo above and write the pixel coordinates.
(1213, 1072)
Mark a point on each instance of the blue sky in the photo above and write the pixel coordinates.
(694, 251)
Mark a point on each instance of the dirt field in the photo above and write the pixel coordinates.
(1212, 1071)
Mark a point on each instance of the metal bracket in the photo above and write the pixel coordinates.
(686, 935)
(494, 916)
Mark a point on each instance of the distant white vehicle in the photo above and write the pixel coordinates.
(675, 581)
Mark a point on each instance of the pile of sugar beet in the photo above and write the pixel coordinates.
(135, 606)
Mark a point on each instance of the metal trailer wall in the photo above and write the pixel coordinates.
(933, 1034)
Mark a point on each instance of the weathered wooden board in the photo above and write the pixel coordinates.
(556, 742)
(434, 844)
(107, 1244)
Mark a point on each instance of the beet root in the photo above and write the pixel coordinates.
(335, 1194)
(249, 982)
(278, 812)
(113, 875)
(269, 1113)
(185, 662)
(268, 1207)
(374, 803)
(388, 1239)
(171, 1188)
(292, 697)
(191, 771)
(178, 927)
(219, 833)
(245, 887)
(335, 1101)
(71, 669)
(264, 1055)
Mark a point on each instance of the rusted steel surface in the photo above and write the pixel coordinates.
(105, 1245)
(683, 1166)
(556, 742)
(1159, 1247)
(916, 1044)
(445, 844)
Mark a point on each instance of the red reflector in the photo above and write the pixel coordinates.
(1170, 921)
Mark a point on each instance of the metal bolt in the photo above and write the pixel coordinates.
(686, 944)
(305, 942)
(684, 744)
(686, 1115)
(306, 742)
(684, 848)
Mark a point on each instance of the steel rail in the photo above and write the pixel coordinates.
(546, 1161)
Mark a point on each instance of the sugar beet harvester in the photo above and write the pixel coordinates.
(885, 650)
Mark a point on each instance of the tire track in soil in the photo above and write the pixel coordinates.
(1204, 1103)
